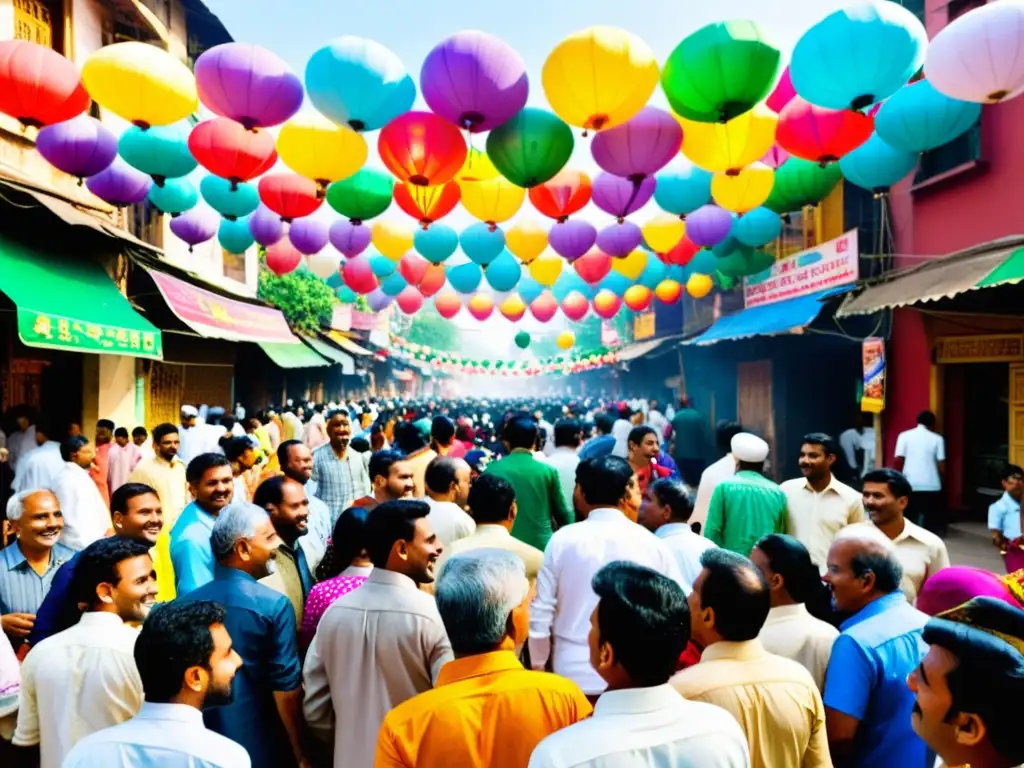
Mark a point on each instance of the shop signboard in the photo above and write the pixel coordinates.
(826, 266)
(43, 329)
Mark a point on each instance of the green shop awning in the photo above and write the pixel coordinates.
(332, 353)
(71, 304)
(296, 355)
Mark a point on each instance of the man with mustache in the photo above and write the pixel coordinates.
(286, 502)
(211, 481)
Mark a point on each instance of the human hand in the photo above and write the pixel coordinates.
(17, 625)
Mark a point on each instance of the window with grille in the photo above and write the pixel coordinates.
(964, 149)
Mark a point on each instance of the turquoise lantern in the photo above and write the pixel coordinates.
(234, 235)
(174, 197)
(876, 166)
(704, 263)
(393, 284)
(682, 190)
(616, 283)
(436, 243)
(757, 227)
(655, 271)
(160, 150)
(345, 294)
(918, 118)
(568, 282)
(529, 289)
(382, 266)
(465, 278)
(504, 272)
(677, 273)
(482, 242)
(232, 201)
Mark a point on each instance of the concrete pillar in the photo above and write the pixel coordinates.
(108, 390)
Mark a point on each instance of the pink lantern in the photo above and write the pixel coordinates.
(480, 306)
(775, 157)
(544, 307)
(410, 300)
(413, 267)
(593, 266)
(283, 257)
(821, 135)
(447, 304)
(358, 275)
(575, 306)
(606, 304)
(782, 94)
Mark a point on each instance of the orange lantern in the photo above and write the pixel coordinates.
(447, 304)
(513, 308)
(606, 304)
(681, 254)
(480, 306)
(433, 280)
(558, 198)
(422, 149)
(638, 297)
(668, 291)
(427, 204)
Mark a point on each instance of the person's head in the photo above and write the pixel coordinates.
(886, 494)
(409, 438)
(166, 441)
(286, 502)
(296, 460)
(244, 538)
(520, 432)
(483, 597)
(184, 655)
(104, 431)
(448, 479)
(115, 575)
(391, 476)
(339, 429)
(750, 452)
(667, 501)
(643, 445)
(399, 538)
(442, 432)
(23, 418)
(604, 423)
(926, 419)
(609, 481)
(74, 428)
(568, 433)
(862, 567)
(1013, 481)
(725, 431)
(684, 401)
(189, 413)
(730, 599)
(120, 436)
(791, 574)
(36, 518)
(250, 425)
(639, 628)
(817, 455)
(240, 451)
(348, 544)
(44, 432)
(211, 481)
(78, 450)
(140, 435)
(136, 512)
(492, 501)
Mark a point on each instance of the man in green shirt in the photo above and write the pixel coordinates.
(541, 503)
(748, 506)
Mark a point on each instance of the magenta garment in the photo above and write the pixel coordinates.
(121, 462)
(320, 599)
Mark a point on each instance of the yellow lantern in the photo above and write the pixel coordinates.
(493, 201)
(632, 265)
(478, 167)
(637, 297)
(565, 340)
(668, 291)
(513, 308)
(745, 190)
(732, 145)
(392, 238)
(699, 286)
(141, 83)
(546, 268)
(663, 232)
(314, 147)
(599, 77)
(527, 240)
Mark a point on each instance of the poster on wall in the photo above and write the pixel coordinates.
(873, 354)
(828, 265)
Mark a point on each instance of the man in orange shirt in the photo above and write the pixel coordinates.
(486, 710)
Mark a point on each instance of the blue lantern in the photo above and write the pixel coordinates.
(704, 263)
(918, 118)
(682, 190)
(465, 278)
(481, 243)
(858, 55)
(503, 273)
(234, 236)
(757, 227)
(436, 243)
(616, 283)
(160, 150)
(231, 203)
(381, 265)
(655, 271)
(345, 294)
(568, 282)
(677, 273)
(529, 289)
(174, 197)
(875, 166)
(393, 284)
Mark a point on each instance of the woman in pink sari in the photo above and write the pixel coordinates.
(344, 568)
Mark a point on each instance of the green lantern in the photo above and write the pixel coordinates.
(801, 182)
(362, 196)
(720, 71)
(744, 261)
(531, 147)
(522, 339)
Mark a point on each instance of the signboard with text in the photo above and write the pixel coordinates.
(831, 264)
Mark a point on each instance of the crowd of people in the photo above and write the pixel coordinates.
(540, 583)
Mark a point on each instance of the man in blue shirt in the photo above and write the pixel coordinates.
(265, 715)
(1004, 519)
(212, 483)
(867, 703)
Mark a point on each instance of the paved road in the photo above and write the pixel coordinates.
(969, 543)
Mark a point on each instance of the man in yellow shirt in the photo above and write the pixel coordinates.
(486, 711)
(165, 473)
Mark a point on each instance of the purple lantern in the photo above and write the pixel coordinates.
(708, 225)
(619, 240)
(621, 197)
(378, 300)
(350, 239)
(474, 80)
(80, 146)
(249, 84)
(196, 225)
(266, 226)
(571, 239)
(120, 184)
(308, 235)
(641, 146)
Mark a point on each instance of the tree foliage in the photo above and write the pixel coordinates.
(306, 301)
(432, 330)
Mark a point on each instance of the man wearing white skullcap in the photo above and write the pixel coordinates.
(747, 506)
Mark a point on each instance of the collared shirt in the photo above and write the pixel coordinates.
(314, 543)
(686, 547)
(744, 509)
(791, 632)
(560, 613)
(160, 736)
(565, 460)
(295, 575)
(86, 517)
(38, 468)
(922, 554)
(601, 445)
(100, 472)
(1004, 516)
(339, 482)
(710, 479)
(262, 628)
(486, 711)
(75, 683)
(375, 647)
(775, 701)
(191, 555)
(22, 590)
(921, 451)
(449, 521)
(647, 728)
(815, 518)
(120, 463)
(877, 648)
(19, 444)
(492, 535)
(167, 478)
(620, 431)
(326, 592)
(538, 496)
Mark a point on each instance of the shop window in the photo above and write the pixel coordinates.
(40, 21)
(234, 266)
(957, 8)
(964, 149)
(145, 221)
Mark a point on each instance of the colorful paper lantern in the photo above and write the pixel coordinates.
(314, 147)
(571, 239)
(708, 225)
(81, 146)
(632, 265)
(620, 197)
(119, 184)
(436, 243)
(565, 194)
(447, 304)
(876, 166)
(358, 275)
(545, 269)
(918, 118)
(801, 182)
(743, 191)
(195, 226)
(433, 280)
(819, 134)
(681, 253)
(526, 240)
(381, 265)
(620, 239)
(427, 204)
(324, 263)
(782, 93)
(226, 149)
(265, 225)
(477, 167)
(531, 148)
(655, 271)
(775, 157)
(575, 306)
(348, 238)
(638, 297)
(480, 306)
(379, 301)
(392, 238)
(492, 201)
(422, 149)
(38, 86)
(593, 266)
(757, 227)
(663, 232)
(232, 201)
(682, 189)
(289, 195)
(669, 291)
(413, 268)
(640, 147)
(465, 278)
(565, 340)
(606, 304)
(309, 235)
(482, 243)
(522, 340)
(393, 284)
(698, 286)
(161, 151)
(503, 273)
(409, 300)
(528, 288)
(513, 308)
(732, 145)
(364, 195)
(282, 257)
(234, 236)
(177, 196)
(544, 307)
(247, 83)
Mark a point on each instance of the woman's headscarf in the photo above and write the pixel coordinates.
(956, 585)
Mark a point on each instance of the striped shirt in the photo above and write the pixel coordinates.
(22, 589)
(339, 482)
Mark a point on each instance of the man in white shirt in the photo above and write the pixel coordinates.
(819, 505)
(84, 679)
(447, 486)
(40, 466)
(188, 434)
(22, 441)
(621, 429)
(560, 614)
(666, 513)
(86, 517)
(717, 473)
(657, 421)
(565, 457)
(921, 457)
(638, 629)
(186, 663)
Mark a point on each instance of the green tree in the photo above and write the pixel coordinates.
(430, 329)
(306, 301)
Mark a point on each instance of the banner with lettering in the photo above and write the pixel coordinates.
(831, 264)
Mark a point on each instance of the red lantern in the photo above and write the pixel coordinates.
(821, 135)
(226, 149)
(427, 204)
(289, 195)
(433, 280)
(422, 149)
(358, 275)
(447, 304)
(681, 253)
(38, 86)
(544, 307)
(575, 306)
(413, 267)
(593, 266)
(638, 297)
(560, 197)
(606, 304)
(481, 306)
(282, 257)
(410, 300)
